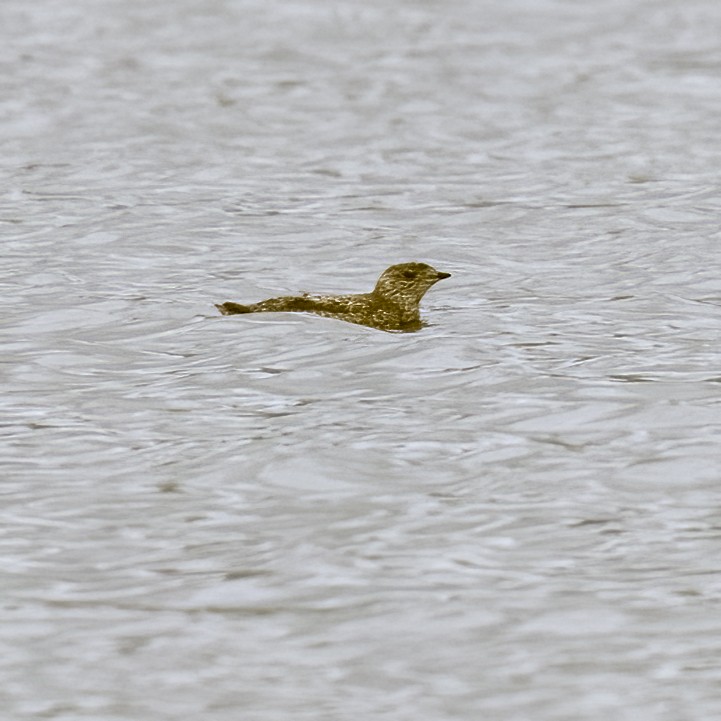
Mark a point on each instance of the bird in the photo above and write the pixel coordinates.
(393, 305)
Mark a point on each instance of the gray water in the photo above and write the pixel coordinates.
(511, 515)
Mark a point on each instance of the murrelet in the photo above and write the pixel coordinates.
(393, 305)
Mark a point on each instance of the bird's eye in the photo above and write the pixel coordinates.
(409, 274)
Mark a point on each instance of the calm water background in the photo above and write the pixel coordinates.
(514, 514)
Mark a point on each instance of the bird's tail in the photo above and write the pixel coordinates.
(230, 308)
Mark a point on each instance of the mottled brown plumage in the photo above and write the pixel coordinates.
(393, 305)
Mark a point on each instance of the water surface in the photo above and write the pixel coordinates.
(512, 514)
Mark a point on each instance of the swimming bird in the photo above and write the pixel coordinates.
(393, 305)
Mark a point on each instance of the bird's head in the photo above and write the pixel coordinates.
(406, 283)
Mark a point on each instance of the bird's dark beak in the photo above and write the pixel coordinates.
(441, 276)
